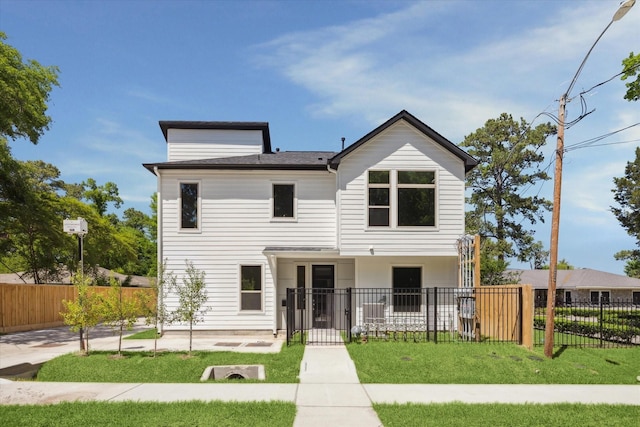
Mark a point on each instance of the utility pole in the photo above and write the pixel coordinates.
(557, 190)
(555, 228)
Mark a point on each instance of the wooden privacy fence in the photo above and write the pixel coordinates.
(505, 313)
(29, 307)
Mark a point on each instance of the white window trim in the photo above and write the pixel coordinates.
(393, 201)
(198, 229)
(294, 218)
(262, 288)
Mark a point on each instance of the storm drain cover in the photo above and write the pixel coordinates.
(233, 372)
(227, 344)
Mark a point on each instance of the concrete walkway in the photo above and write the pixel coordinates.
(329, 392)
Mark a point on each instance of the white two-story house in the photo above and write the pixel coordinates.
(385, 212)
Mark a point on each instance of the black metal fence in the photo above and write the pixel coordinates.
(591, 323)
(332, 316)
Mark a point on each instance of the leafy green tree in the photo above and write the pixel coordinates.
(120, 311)
(99, 196)
(138, 226)
(85, 311)
(538, 256)
(24, 93)
(192, 295)
(509, 158)
(631, 68)
(157, 312)
(632, 267)
(563, 264)
(627, 196)
(32, 212)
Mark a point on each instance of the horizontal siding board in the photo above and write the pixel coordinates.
(401, 148)
(236, 226)
(193, 144)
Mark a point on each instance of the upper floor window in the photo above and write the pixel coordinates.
(379, 198)
(189, 204)
(402, 198)
(284, 200)
(416, 199)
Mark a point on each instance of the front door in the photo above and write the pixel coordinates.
(322, 282)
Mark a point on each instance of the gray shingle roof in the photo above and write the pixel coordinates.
(583, 278)
(285, 160)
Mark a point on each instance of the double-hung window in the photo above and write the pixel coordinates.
(284, 201)
(379, 198)
(251, 287)
(189, 206)
(398, 198)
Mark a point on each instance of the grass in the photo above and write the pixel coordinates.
(459, 414)
(194, 413)
(487, 363)
(167, 367)
(148, 334)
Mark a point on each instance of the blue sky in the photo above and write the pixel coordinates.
(321, 70)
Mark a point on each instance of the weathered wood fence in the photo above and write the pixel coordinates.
(28, 307)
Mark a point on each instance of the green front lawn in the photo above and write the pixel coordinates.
(167, 367)
(140, 414)
(527, 415)
(487, 363)
(148, 334)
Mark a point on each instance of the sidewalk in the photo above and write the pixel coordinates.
(329, 392)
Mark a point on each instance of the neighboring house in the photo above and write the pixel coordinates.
(584, 285)
(386, 212)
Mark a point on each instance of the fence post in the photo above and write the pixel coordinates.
(600, 320)
(289, 315)
(526, 316)
(348, 314)
(435, 314)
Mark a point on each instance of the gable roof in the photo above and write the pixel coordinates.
(293, 160)
(469, 162)
(286, 160)
(583, 278)
(165, 125)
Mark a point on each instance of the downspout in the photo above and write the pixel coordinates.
(159, 251)
(338, 216)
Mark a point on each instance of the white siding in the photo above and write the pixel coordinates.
(376, 272)
(236, 226)
(194, 144)
(400, 147)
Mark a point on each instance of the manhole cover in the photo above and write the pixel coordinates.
(47, 345)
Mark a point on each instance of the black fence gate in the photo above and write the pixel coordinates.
(319, 315)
